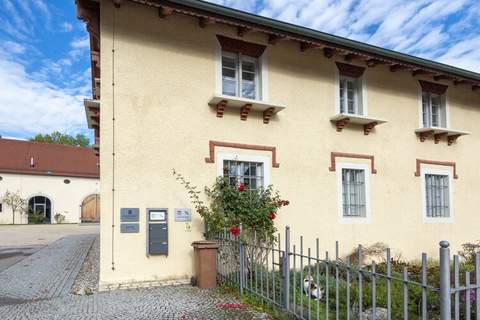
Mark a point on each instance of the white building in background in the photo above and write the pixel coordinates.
(59, 182)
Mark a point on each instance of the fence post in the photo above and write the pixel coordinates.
(242, 266)
(286, 270)
(445, 290)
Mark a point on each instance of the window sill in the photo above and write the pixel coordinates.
(368, 123)
(221, 102)
(438, 133)
(354, 220)
(428, 220)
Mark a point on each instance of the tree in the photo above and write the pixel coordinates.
(56, 137)
(15, 202)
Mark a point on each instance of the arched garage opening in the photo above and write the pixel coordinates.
(39, 210)
(90, 208)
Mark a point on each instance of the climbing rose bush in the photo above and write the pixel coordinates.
(245, 213)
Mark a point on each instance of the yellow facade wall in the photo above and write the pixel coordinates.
(165, 73)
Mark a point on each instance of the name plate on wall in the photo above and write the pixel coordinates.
(129, 215)
(183, 214)
(129, 228)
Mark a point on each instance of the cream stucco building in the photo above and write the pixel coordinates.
(367, 144)
(59, 183)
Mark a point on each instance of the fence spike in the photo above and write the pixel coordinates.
(309, 292)
(327, 285)
(294, 280)
(445, 290)
(456, 280)
(405, 293)
(468, 311)
(302, 289)
(360, 283)
(477, 280)
(424, 286)
(374, 292)
(348, 289)
(389, 285)
(287, 269)
(317, 280)
(337, 289)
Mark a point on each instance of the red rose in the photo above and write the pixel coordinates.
(285, 202)
(241, 188)
(272, 215)
(235, 231)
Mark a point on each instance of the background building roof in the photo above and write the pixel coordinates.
(17, 156)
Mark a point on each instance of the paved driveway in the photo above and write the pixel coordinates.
(38, 287)
(20, 241)
(172, 302)
(41, 234)
(48, 273)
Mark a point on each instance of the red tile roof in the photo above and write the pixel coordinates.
(16, 156)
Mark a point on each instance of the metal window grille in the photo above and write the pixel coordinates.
(437, 196)
(353, 193)
(248, 173)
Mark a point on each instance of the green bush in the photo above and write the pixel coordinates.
(35, 218)
(231, 206)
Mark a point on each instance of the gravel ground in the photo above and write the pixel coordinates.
(87, 280)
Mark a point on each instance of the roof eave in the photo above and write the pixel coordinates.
(304, 32)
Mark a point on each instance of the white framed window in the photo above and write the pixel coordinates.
(437, 195)
(353, 188)
(350, 95)
(240, 76)
(251, 170)
(434, 110)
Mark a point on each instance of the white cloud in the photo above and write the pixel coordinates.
(19, 23)
(66, 27)
(426, 28)
(65, 62)
(40, 107)
(45, 11)
(464, 54)
(80, 43)
(13, 47)
(79, 47)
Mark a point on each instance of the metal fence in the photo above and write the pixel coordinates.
(310, 284)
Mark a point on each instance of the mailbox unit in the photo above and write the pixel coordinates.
(157, 231)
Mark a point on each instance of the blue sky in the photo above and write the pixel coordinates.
(44, 57)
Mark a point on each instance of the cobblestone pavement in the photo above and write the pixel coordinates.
(170, 302)
(48, 273)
